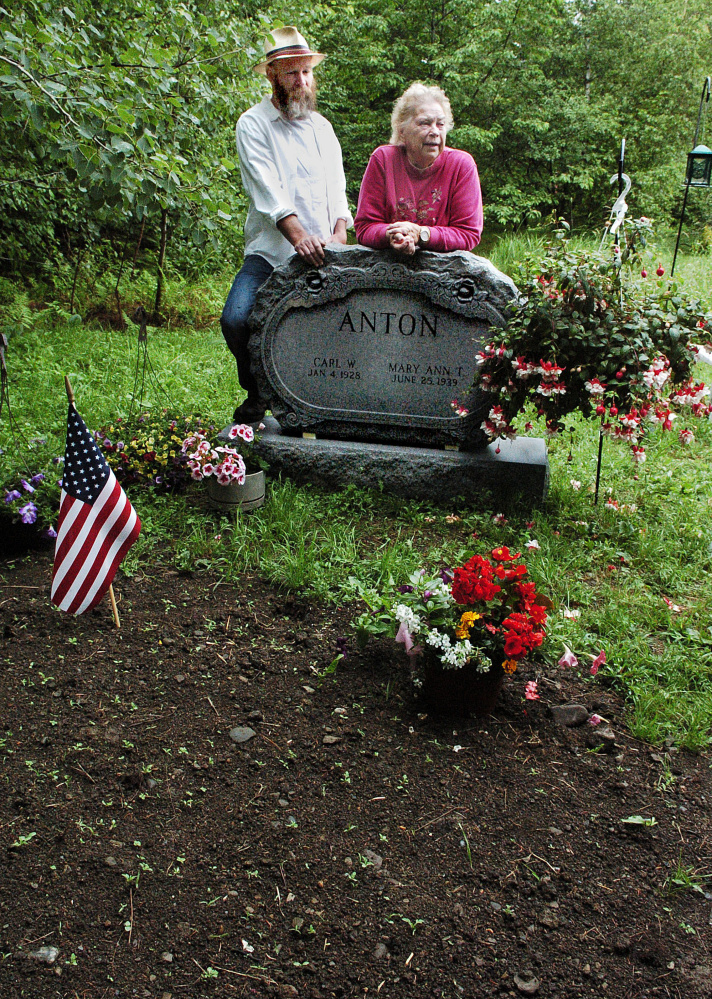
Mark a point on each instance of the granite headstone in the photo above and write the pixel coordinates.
(375, 347)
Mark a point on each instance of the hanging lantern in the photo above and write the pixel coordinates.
(699, 167)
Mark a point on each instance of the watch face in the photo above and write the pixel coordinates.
(425, 235)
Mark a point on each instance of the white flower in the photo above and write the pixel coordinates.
(532, 544)
(575, 485)
(571, 613)
(406, 616)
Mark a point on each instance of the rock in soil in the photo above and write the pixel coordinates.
(570, 715)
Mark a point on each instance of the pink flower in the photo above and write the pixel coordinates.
(595, 720)
(499, 519)
(597, 662)
(531, 691)
(568, 658)
(242, 430)
(404, 636)
(575, 485)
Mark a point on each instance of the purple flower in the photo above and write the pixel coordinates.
(427, 595)
(26, 486)
(12, 494)
(446, 575)
(405, 588)
(120, 445)
(36, 479)
(59, 460)
(49, 533)
(28, 513)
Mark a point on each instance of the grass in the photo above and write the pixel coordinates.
(612, 567)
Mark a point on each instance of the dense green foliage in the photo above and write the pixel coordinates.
(116, 123)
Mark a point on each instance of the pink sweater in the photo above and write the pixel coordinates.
(446, 197)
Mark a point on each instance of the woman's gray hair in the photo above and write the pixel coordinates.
(410, 102)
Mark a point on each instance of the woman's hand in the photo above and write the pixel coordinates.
(403, 237)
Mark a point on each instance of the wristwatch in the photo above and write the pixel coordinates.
(424, 236)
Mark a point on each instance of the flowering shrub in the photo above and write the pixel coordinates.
(585, 337)
(481, 613)
(206, 458)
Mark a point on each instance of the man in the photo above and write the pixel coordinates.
(291, 167)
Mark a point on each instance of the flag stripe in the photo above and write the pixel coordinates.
(112, 531)
(99, 530)
(97, 524)
(112, 561)
(74, 545)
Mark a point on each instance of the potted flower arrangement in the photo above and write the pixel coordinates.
(588, 336)
(463, 630)
(234, 477)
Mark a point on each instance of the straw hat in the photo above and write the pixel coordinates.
(286, 43)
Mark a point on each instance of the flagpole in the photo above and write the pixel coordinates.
(112, 598)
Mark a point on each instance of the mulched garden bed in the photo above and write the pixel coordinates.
(351, 846)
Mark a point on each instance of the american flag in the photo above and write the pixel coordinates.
(97, 524)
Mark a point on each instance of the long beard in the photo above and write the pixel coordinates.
(294, 106)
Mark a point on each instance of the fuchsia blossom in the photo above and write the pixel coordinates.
(612, 504)
(595, 387)
(690, 394)
(638, 454)
(663, 417)
(499, 519)
(686, 436)
(658, 373)
(497, 424)
(523, 367)
(531, 691)
(532, 544)
(459, 408)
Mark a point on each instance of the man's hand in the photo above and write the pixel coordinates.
(309, 248)
(339, 233)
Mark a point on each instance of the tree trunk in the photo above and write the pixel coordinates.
(161, 262)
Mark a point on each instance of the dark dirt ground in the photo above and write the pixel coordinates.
(161, 859)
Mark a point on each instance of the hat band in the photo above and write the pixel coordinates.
(289, 50)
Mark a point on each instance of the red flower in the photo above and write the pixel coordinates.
(503, 554)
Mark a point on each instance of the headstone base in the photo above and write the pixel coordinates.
(520, 468)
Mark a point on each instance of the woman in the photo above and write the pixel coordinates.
(416, 193)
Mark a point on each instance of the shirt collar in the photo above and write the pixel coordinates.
(273, 114)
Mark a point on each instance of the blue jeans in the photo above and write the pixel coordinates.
(233, 321)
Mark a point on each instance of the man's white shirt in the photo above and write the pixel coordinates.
(289, 168)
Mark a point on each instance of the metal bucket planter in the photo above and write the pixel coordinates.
(248, 496)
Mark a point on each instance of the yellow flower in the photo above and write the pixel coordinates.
(509, 666)
(466, 622)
